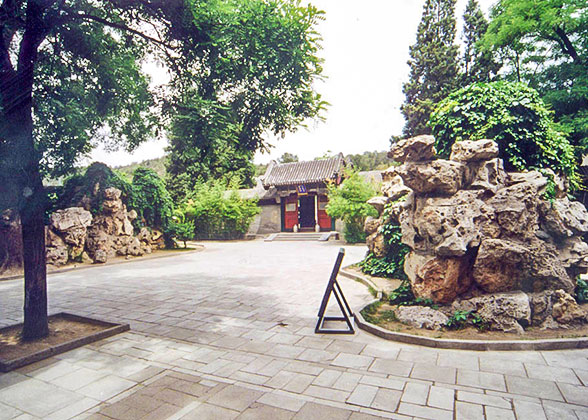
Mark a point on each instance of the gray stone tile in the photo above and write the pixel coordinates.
(533, 388)
(416, 393)
(493, 381)
(494, 413)
(210, 412)
(78, 378)
(281, 401)
(235, 397)
(265, 412)
(342, 346)
(299, 383)
(424, 412)
(319, 356)
(382, 350)
(106, 387)
(459, 359)
(326, 393)
(422, 355)
(390, 383)
(484, 399)
(529, 410)
(550, 373)
(314, 343)
(574, 394)
(560, 411)
(8, 413)
(281, 379)
(327, 377)
(434, 373)
(468, 411)
(443, 398)
(37, 398)
(72, 410)
(362, 395)
(386, 400)
(353, 361)
(391, 367)
(347, 381)
(503, 366)
(313, 411)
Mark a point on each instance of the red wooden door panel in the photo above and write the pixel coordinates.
(290, 211)
(323, 217)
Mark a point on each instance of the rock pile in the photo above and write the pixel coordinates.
(481, 238)
(74, 234)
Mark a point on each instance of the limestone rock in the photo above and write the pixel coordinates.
(446, 226)
(100, 256)
(544, 269)
(393, 186)
(371, 225)
(144, 235)
(498, 265)
(566, 310)
(127, 228)
(438, 177)
(10, 241)
(71, 224)
(56, 250)
(112, 193)
(415, 149)
(132, 215)
(516, 209)
(378, 203)
(508, 312)
(564, 218)
(474, 150)
(533, 177)
(421, 317)
(134, 248)
(98, 244)
(486, 175)
(438, 278)
(376, 244)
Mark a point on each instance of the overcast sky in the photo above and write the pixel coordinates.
(365, 48)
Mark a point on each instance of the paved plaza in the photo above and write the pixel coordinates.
(228, 333)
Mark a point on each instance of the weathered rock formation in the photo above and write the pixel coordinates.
(10, 241)
(482, 235)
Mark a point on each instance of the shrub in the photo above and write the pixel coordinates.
(403, 296)
(348, 202)
(151, 200)
(513, 115)
(90, 186)
(581, 291)
(392, 265)
(219, 212)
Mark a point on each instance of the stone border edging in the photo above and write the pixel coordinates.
(113, 329)
(115, 262)
(479, 345)
(363, 280)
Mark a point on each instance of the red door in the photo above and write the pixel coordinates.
(324, 220)
(290, 212)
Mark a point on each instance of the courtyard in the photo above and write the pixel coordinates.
(228, 332)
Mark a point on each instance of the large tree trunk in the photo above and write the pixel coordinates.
(20, 160)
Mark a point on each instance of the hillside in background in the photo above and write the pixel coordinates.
(157, 165)
(366, 161)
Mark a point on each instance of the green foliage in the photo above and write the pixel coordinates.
(348, 202)
(403, 296)
(157, 165)
(545, 43)
(288, 158)
(581, 291)
(369, 161)
(477, 64)
(253, 75)
(218, 212)
(511, 114)
(89, 188)
(151, 200)
(433, 65)
(381, 267)
(370, 311)
(460, 319)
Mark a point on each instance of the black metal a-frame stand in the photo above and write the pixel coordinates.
(334, 288)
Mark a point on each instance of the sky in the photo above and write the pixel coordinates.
(365, 51)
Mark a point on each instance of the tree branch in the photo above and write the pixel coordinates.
(566, 45)
(85, 16)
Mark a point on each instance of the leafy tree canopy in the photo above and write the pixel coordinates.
(151, 200)
(288, 158)
(433, 65)
(348, 202)
(513, 115)
(545, 43)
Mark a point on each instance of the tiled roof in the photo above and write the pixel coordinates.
(303, 172)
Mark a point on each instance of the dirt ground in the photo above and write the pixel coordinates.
(61, 330)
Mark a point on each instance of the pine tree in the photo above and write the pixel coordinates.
(433, 65)
(476, 65)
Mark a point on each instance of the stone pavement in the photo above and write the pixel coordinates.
(229, 333)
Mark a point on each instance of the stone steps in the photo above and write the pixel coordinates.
(302, 236)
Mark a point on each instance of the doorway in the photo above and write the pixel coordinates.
(306, 212)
